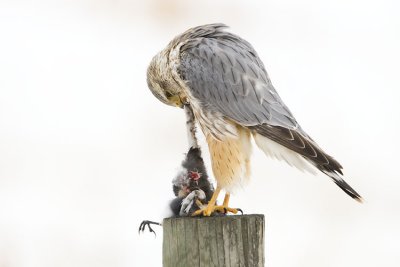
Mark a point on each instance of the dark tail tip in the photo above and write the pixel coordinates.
(345, 186)
(349, 190)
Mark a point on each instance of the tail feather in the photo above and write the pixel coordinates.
(283, 149)
(343, 185)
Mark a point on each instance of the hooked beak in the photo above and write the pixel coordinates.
(176, 101)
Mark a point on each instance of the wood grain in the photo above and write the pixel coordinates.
(214, 241)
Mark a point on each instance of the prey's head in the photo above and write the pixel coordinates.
(161, 82)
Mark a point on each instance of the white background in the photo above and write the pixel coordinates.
(87, 152)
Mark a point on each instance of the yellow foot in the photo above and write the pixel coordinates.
(225, 209)
(207, 211)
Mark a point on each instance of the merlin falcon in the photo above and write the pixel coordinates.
(221, 78)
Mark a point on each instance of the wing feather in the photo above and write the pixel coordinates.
(224, 73)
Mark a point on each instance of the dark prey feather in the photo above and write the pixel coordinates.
(186, 181)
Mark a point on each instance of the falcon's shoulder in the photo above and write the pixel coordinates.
(224, 73)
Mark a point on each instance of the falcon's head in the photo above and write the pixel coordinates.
(161, 82)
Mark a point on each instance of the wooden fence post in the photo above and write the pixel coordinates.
(236, 240)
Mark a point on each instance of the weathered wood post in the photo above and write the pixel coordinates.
(214, 241)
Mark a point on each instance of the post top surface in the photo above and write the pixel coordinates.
(220, 218)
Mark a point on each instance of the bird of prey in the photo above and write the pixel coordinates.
(220, 76)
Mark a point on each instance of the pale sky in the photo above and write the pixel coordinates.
(87, 152)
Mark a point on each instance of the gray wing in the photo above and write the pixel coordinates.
(225, 74)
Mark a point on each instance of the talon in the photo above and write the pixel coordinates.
(225, 209)
(197, 212)
(202, 212)
(140, 228)
(143, 224)
(219, 209)
(205, 211)
(210, 208)
(152, 231)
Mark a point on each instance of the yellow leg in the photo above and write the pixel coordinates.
(199, 204)
(224, 208)
(226, 199)
(211, 205)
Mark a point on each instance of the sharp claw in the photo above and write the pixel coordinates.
(152, 231)
(142, 227)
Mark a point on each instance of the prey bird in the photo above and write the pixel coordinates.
(220, 76)
(191, 186)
